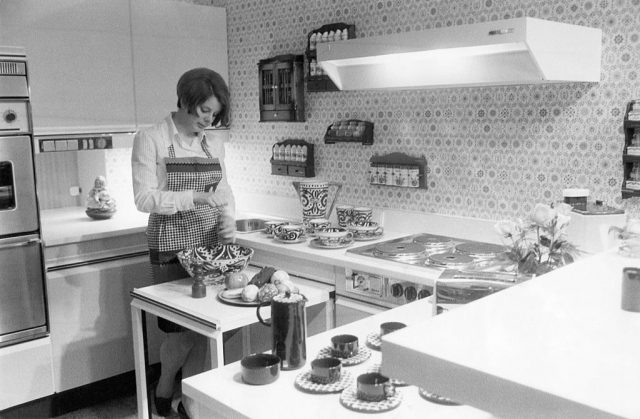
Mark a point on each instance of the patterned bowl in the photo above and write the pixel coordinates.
(216, 260)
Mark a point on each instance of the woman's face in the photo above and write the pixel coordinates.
(204, 114)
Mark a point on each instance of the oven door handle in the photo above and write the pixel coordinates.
(358, 305)
(29, 242)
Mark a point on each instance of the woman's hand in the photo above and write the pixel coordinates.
(210, 198)
(226, 228)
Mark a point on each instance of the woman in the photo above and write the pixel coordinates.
(179, 178)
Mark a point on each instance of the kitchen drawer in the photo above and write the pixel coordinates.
(300, 171)
(279, 169)
(280, 115)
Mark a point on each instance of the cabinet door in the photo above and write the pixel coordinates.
(284, 78)
(170, 37)
(268, 87)
(90, 320)
(78, 58)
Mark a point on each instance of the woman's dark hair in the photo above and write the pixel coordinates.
(199, 84)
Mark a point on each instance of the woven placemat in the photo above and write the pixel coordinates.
(349, 399)
(373, 340)
(394, 381)
(432, 397)
(303, 382)
(362, 355)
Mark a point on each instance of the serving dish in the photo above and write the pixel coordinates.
(215, 260)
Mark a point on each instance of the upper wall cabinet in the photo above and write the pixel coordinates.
(110, 65)
(169, 38)
(79, 61)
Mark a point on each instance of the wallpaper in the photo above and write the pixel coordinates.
(491, 152)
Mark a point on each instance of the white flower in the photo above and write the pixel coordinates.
(563, 221)
(564, 209)
(542, 215)
(506, 228)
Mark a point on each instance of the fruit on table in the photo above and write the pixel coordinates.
(279, 276)
(234, 280)
(250, 293)
(287, 285)
(267, 292)
(263, 277)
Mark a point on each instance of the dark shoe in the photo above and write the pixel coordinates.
(182, 412)
(163, 405)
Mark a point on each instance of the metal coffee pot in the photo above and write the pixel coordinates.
(288, 329)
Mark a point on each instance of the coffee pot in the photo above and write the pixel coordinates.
(314, 197)
(288, 329)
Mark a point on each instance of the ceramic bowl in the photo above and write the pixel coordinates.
(260, 369)
(216, 260)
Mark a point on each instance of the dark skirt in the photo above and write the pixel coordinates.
(166, 267)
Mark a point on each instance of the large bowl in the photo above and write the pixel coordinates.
(215, 260)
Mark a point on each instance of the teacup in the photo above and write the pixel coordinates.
(325, 370)
(368, 229)
(319, 224)
(374, 387)
(334, 236)
(290, 232)
(344, 346)
(345, 214)
(389, 327)
(271, 226)
(361, 215)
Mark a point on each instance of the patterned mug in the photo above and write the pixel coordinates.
(345, 214)
(361, 215)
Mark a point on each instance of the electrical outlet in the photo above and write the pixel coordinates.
(75, 190)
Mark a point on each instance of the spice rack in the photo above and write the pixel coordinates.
(293, 158)
(398, 169)
(631, 152)
(349, 131)
(317, 80)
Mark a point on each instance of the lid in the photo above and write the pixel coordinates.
(288, 298)
(575, 192)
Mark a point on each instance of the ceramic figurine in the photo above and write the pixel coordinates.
(100, 205)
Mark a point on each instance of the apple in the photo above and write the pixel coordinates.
(233, 280)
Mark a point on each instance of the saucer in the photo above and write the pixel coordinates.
(366, 237)
(394, 381)
(316, 243)
(304, 382)
(362, 355)
(349, 399)
(300, 239)
(373, 340)
(432, 397)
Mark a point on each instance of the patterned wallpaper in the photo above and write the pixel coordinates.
(492, 152)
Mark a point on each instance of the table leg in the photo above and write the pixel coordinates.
(246, 340)
(330, 312)
(216, 345)
(140, 367)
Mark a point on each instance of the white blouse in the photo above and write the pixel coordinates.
(149, 172)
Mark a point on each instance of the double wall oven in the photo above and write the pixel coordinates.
(23, 313)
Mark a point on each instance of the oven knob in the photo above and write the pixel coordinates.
(410, 293)
(423, 293)
(396, 290)
(9, 116)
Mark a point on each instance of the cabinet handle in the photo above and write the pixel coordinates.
(20, 244)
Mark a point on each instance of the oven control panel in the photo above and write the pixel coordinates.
(386, 289)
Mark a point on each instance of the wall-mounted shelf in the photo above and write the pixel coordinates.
(398, 169)
(293, 158)
(349, 131)
(631, 151)
(281, 88)
(316, 80)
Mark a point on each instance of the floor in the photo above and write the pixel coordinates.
(122, 408)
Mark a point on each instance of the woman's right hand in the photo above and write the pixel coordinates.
(210, 198)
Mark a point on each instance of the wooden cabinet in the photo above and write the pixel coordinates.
(110, 65)
(281, 88)
(90, 320)
(631, 151)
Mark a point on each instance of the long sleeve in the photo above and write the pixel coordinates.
(149, 176)
(224, 189)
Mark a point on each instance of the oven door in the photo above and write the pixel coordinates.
(349, 310)
(18, 206)
(22, 296)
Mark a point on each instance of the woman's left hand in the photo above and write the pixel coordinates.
(226, 229)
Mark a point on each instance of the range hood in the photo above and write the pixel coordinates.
(503, 52)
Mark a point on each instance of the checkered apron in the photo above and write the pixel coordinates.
(196, 227)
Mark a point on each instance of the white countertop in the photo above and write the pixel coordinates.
(556, 346)
(223, 391)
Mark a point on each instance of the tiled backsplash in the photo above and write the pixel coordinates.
(491, 152)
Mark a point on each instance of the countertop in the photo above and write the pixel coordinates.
(222, 390)
(556, 346)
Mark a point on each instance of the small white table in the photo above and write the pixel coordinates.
(207, 316)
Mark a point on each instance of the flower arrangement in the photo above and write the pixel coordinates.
(539, 244)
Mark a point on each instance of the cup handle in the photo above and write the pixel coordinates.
(349, 235)
(378, 230)
(389, 390)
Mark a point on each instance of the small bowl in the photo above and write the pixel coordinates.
(260, 369)
(216, 260)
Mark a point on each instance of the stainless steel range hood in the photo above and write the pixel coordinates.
(504, 52)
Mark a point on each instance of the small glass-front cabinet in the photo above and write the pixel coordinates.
(281, 88)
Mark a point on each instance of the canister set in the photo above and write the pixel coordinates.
(394, 175)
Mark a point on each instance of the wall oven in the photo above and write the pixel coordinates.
(23, 314)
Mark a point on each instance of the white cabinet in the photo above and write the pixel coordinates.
(110, 65)
(79, 61)
(169, 38)
(90, 320)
